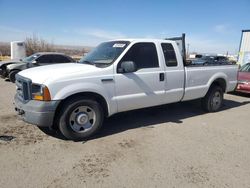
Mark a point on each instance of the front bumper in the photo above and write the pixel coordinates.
(40, 113)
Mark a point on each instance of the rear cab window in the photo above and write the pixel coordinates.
(169, 54)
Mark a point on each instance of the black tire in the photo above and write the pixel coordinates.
(69, 109)
(12, 75)
(213, 100)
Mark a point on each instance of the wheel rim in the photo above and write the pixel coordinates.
(82, 119)
(216, 100)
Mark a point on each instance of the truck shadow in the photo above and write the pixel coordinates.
(148, 117)
(240, 94)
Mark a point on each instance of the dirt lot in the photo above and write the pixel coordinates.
(175, 145)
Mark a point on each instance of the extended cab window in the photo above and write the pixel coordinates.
(169, 54)
(144, 55)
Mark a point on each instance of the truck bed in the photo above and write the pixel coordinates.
(199, 78)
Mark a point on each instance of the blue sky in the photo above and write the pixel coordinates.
(210, 26)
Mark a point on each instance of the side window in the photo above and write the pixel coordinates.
(60, 59)
(169, 54)
(44, 59)
(144, 55)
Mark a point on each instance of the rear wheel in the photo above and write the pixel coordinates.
(12, 75)
(80, 118)
(212, 102)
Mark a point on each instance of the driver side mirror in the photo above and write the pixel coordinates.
(127, 67)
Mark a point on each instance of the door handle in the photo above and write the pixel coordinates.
(162, 77)
(107, 80)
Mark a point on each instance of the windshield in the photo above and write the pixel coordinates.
(105, 53)
(31, 58)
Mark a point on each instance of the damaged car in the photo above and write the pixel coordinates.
(9, 69)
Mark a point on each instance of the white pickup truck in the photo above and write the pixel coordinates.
(117, 76)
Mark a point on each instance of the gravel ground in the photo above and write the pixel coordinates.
(175, 145)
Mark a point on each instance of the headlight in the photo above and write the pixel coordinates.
(40, 92)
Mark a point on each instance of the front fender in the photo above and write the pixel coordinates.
(16, 67)
(106, 92)
(5, 64)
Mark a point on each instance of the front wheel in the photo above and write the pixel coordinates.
(212, 102)
(80, 118)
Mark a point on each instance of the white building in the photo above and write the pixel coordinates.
(18, 50)
(244, 50)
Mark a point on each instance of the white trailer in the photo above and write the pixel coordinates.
(18, 50)
(244, 49)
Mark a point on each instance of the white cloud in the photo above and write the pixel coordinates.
(11, 34)
(204, 45)
(94, 36)
(11, 29)
(86, 36)
(222, 28)
(100, 33)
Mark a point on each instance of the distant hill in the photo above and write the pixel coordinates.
(4, 43)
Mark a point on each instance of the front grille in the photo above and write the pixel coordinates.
(23, 88)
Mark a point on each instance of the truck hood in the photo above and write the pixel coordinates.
(43, 73)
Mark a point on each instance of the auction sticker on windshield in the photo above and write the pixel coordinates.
(119, 45)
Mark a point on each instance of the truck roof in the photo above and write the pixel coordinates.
(143, 40)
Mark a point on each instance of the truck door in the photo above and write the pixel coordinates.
(144, 87)
(174, 71)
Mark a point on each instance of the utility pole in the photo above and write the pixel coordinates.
(188, 50)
